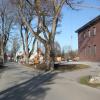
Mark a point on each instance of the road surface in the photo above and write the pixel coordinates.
(14, 74)
(48, 86)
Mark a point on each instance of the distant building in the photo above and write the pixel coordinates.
(89, 40)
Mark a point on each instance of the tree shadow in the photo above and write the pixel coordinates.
(3, 67)
(33, 89)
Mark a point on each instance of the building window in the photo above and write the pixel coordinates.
(89, 50)
(94, 31)
(93, 51)
(85, 52)
(84, 35)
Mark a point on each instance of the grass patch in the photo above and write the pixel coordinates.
(42, 66)
(70, 67)
(85, 80)
(28, 65)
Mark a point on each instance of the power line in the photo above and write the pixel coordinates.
(86, 6)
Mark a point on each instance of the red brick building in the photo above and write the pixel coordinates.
(89, 40)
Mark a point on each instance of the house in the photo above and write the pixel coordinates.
(89, 40)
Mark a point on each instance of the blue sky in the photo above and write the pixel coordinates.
(72, 20)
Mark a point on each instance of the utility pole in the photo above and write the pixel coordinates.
(71, 44)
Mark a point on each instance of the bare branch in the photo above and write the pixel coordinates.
(30, 28)
(34, 41)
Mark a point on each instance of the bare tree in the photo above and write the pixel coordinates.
(57, 49)
(6, 20)
(69, 53)
(45, 11)
(26, 37)
(15, 45)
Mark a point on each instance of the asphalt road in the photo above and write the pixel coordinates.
(28, 85)
(14, 74)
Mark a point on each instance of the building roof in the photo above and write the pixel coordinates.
(88, 24)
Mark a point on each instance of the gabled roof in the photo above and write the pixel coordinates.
(88, 24)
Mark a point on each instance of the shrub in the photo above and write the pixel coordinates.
(42, 66)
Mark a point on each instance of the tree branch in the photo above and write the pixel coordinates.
(32, 47)
(30, 28)
(55, 20)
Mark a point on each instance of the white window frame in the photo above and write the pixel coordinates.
(94, 31)
(94, 50)
(84, 35)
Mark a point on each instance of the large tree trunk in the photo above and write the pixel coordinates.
(47, 56)
(33, 47)
(2, 52)
(3, 32)
(23, 42)
(26, 42)
(52, 55)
